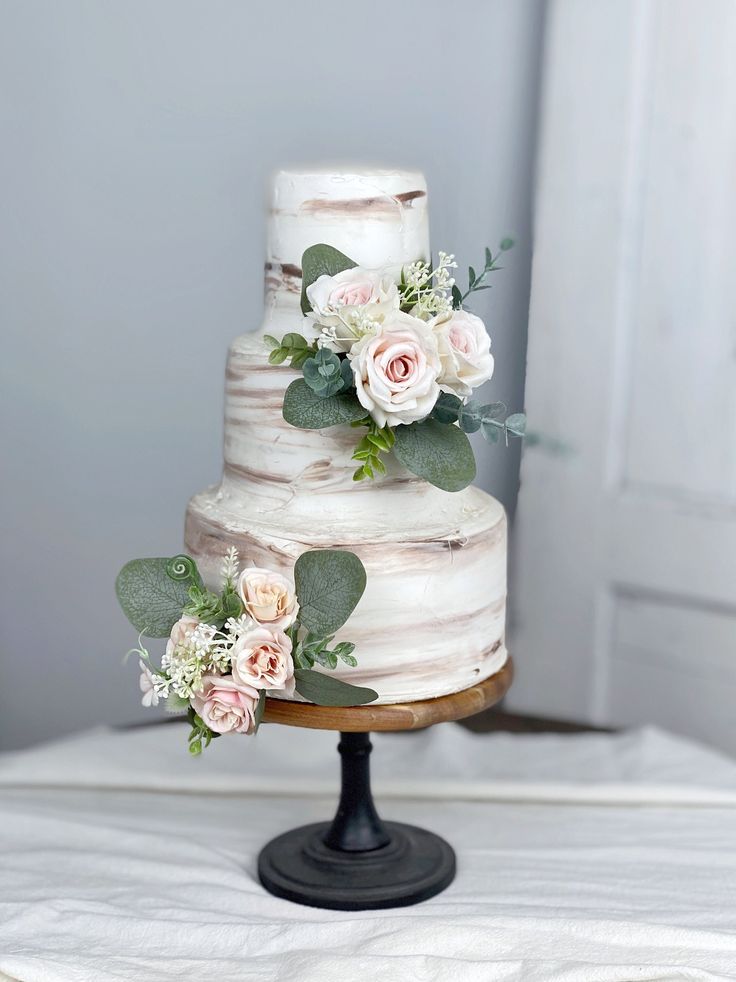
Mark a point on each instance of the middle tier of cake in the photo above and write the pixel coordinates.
(432, 618)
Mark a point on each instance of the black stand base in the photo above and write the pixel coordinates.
(357, 862)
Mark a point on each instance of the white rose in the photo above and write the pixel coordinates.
(465, 351)
(345, 302)
(396, 369)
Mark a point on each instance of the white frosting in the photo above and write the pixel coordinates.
(432, 617)
(378, 218)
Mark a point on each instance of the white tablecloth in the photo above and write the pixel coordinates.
(581, 858)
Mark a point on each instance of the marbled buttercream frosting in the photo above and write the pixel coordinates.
(432, 618)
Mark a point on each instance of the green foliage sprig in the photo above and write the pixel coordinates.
(378, 440)
(293, 347)
(214, 608)
(490, 419)
(199, 734)
(476, 281)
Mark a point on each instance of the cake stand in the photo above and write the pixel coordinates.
(358, 861)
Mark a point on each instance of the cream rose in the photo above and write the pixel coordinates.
(465, 351)
(225, 705)
(261, 658)
(396, 369)
(268, 597)
(345, 301)
(182, 630)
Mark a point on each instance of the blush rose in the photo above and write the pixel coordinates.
(395, 370)
(261, 658)
(268, 597)
(465, 352)
(226, 706)
(182, 630)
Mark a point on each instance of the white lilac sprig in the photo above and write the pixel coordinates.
(426, 291)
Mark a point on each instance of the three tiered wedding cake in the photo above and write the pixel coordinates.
(431, 620)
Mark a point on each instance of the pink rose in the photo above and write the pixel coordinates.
(225, 705)
(465, 352)
(268, 597)
(261, 658)
(180, 632)
(396, 369)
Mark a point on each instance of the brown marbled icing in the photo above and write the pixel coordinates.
(432, 618)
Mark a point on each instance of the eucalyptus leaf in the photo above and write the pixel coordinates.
(309, 411)
(438, 452)
(346, 370)
(516, 424)
(470, 416)
(329, 584)
(150, 599)
(494, 410)
(447, 407)
(322, 373)
(506, 244)
(321, 260)
(491, 432)
(324, 690)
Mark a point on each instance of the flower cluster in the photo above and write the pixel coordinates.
(222, 672)
(404, 342)
(225, 652)
(395, 348)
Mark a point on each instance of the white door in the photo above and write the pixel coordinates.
(624, 563)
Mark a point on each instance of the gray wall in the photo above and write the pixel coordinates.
(137, 140)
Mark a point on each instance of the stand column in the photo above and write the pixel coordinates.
(356, 826)
(356, 862)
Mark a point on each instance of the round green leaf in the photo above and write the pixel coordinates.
(321, 260)
(470, 416)
(438, 452)
(329, 584)
(150, 599)
(309, 411)
(516, 424)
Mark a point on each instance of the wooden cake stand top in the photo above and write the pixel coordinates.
(397, 716)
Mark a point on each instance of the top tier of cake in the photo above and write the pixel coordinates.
(377, 217)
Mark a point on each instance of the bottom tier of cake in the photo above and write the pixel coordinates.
(432, 619)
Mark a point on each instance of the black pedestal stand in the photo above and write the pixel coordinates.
(357, 862)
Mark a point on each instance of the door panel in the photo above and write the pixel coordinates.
(624, 566)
